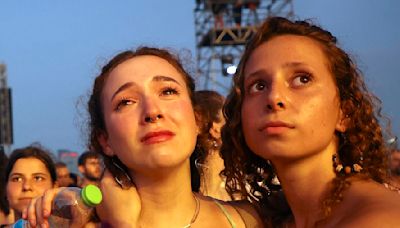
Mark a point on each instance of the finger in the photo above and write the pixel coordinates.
(38, 210)
(25, 213)
(47, 201)
(31, 212)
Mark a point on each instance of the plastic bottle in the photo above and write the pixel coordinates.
(72, 207)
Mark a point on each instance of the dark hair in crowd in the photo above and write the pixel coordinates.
(362, 139)
(96, 122)
(32, 151)
(87, 155)
(3, 200)
(60, 164)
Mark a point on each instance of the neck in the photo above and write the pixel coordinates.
(167, 194)
(305, 183)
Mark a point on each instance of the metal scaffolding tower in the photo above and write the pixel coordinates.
(6, 132)
(222, 29)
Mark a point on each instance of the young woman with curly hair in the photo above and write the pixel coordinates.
(143, 122)
(300, 110)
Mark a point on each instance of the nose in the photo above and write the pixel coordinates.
(276, 97)
(151, 111)
(150, 118)
(26, 186)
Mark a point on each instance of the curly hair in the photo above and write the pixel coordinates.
(96, 124)
(363, 138)
(207, 107)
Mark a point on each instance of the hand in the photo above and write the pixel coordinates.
(39, 208)
(119, 207)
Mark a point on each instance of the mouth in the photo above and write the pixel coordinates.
(157, 137)
(275, 127)
(25, 200)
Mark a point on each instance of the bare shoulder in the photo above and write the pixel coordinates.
(369, 204)
(373, 218)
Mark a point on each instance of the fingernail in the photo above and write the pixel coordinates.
(46, 213)
(33, 222)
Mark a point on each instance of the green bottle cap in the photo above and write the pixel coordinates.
(91, 195)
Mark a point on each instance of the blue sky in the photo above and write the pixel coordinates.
(54, 49)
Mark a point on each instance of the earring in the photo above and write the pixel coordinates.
(126, 181)
(340, 169)
(199, 165)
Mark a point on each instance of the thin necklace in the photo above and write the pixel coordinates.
(196, 212)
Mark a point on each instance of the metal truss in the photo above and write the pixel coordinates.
(213, 43)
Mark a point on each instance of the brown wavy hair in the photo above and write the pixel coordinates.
(207, 107)
(363, 138)
(96, 124)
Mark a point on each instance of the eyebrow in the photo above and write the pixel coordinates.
(157, 78)
(21, 174)
(286, 65)
(293, 64)
(123, 87)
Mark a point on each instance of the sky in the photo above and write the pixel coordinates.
(54, 49)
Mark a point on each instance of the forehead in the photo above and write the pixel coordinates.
(92, 160)
(62, 169)
(142, 69)
(287, 48)
(28, 166)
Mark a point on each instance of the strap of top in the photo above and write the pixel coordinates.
(226, 213)
(247, 214)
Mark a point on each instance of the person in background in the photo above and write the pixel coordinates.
(76, 180)
(142, 121)
(394, 164)
(90, 166)
(63, 178)
(206, 158)
(30, 171)
(6, 215)
(218, 8)
(300, 110)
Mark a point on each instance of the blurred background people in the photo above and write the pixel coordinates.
(395, 162)
(394, 165)
(76, 180)
(6, 216)
(218, 8)
(206, 162)
(89, 164)
(30, 171)
(63, 175)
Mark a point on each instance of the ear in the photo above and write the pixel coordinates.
(103, 141)
(342, 123)
(81, 169)
(214, 132)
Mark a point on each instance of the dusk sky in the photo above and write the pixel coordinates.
(54, 49)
